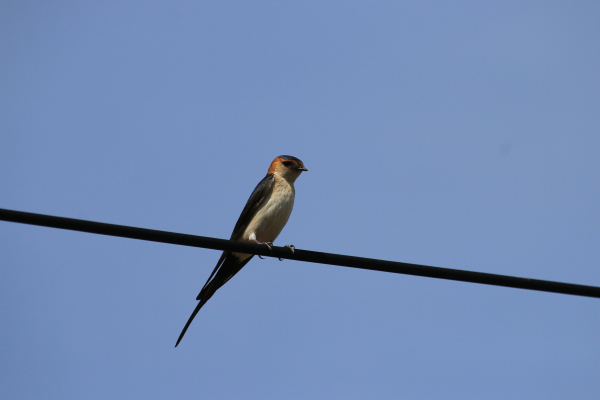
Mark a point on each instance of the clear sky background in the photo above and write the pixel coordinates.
(455, 134)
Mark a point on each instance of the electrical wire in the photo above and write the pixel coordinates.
(298, 255)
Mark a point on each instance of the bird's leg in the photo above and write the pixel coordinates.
(289, 246)
(268, 244)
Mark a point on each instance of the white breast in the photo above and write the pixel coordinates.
(274, 214)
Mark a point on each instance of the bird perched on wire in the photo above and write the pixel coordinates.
(264, 216)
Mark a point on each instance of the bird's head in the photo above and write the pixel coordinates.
(288, 167)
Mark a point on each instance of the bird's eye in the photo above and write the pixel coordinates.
(287, 163)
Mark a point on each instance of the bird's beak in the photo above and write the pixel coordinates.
(302, 169)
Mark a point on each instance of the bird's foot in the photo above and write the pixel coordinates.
(268, 244)
(289, 246)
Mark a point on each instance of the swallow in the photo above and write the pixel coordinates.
(264, 216)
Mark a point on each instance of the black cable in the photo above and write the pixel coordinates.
(299, 255)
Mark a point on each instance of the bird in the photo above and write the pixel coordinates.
(261, 221)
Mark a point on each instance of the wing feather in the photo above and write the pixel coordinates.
(261, 192)
(229, 264)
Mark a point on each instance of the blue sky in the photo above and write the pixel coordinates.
(456, 134)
